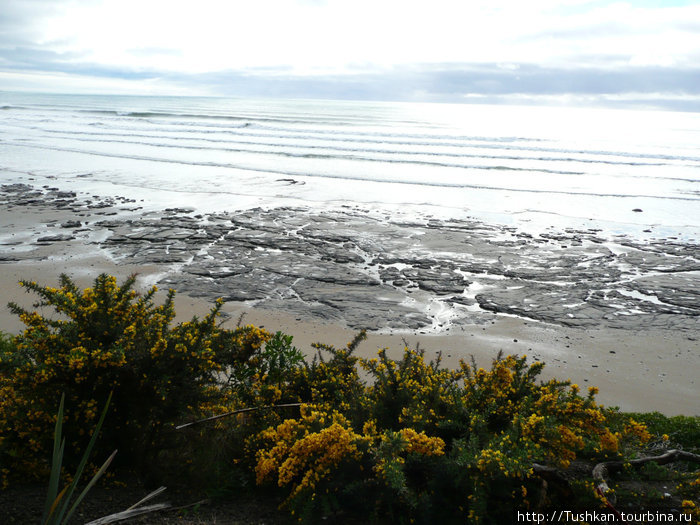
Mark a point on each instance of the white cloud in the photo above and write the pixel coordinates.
(212, 35)
(342, 39)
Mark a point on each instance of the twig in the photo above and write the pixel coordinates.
(601, 470)
(133, 513)
(239, 411)
(152, 495)
(128, 514)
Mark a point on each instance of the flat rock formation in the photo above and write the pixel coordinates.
(368, 269)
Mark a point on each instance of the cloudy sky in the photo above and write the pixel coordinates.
(644, 52)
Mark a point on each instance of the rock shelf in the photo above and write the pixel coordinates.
(368, 269)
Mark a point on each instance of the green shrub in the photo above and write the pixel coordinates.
(379, 440)
(216, 451)
(7, 344)
(109, 338)
(420, 444)
(269, 365)
(681, 431)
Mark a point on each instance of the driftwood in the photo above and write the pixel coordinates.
(551, 477)
(602, 470)
(138, 510)
(234, 412)
(135, 510)
(128, 514)
(152, 495)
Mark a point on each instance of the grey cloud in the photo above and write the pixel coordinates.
(24, 57)
(24, 12)
(35, 60)
(531, 79)
(453, 83)
(20, 21)
(675, 88)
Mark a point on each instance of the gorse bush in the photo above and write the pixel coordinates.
(6, 343)
(680, 431)
(109, 338)
(381, 440)
(418, 443)
(258, 379)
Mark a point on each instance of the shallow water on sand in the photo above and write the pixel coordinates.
(530, 166)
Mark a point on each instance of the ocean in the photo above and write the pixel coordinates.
(532, 167)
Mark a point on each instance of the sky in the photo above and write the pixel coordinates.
(620, 53)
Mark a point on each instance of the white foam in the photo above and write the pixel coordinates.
(528, 166)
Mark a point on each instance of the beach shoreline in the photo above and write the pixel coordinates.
(638, 367)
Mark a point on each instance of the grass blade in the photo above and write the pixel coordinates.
(54, 506)
(94, 479)
(56, 462)
(83, 462)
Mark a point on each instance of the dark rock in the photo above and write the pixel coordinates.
(55, 238)
(372, 271)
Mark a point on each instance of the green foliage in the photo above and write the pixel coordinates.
(217, 459)
(278, 357)
(56, 508)
(410, 392)
(419, 443)
(333, 381)
(6, 343)
(108, 338)
(381, 440)
(682, 431)
(653, 471)
(270, 365)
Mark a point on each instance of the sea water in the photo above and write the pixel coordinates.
(534, 167)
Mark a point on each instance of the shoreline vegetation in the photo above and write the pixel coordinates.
(371, 439)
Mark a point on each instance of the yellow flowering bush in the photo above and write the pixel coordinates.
(334, 382)
(419, 442)
(303, 452)
(382, 440)
(411, 392)
(330, 466)
(108, 338)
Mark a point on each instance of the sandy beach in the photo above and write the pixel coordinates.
(641, 361)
